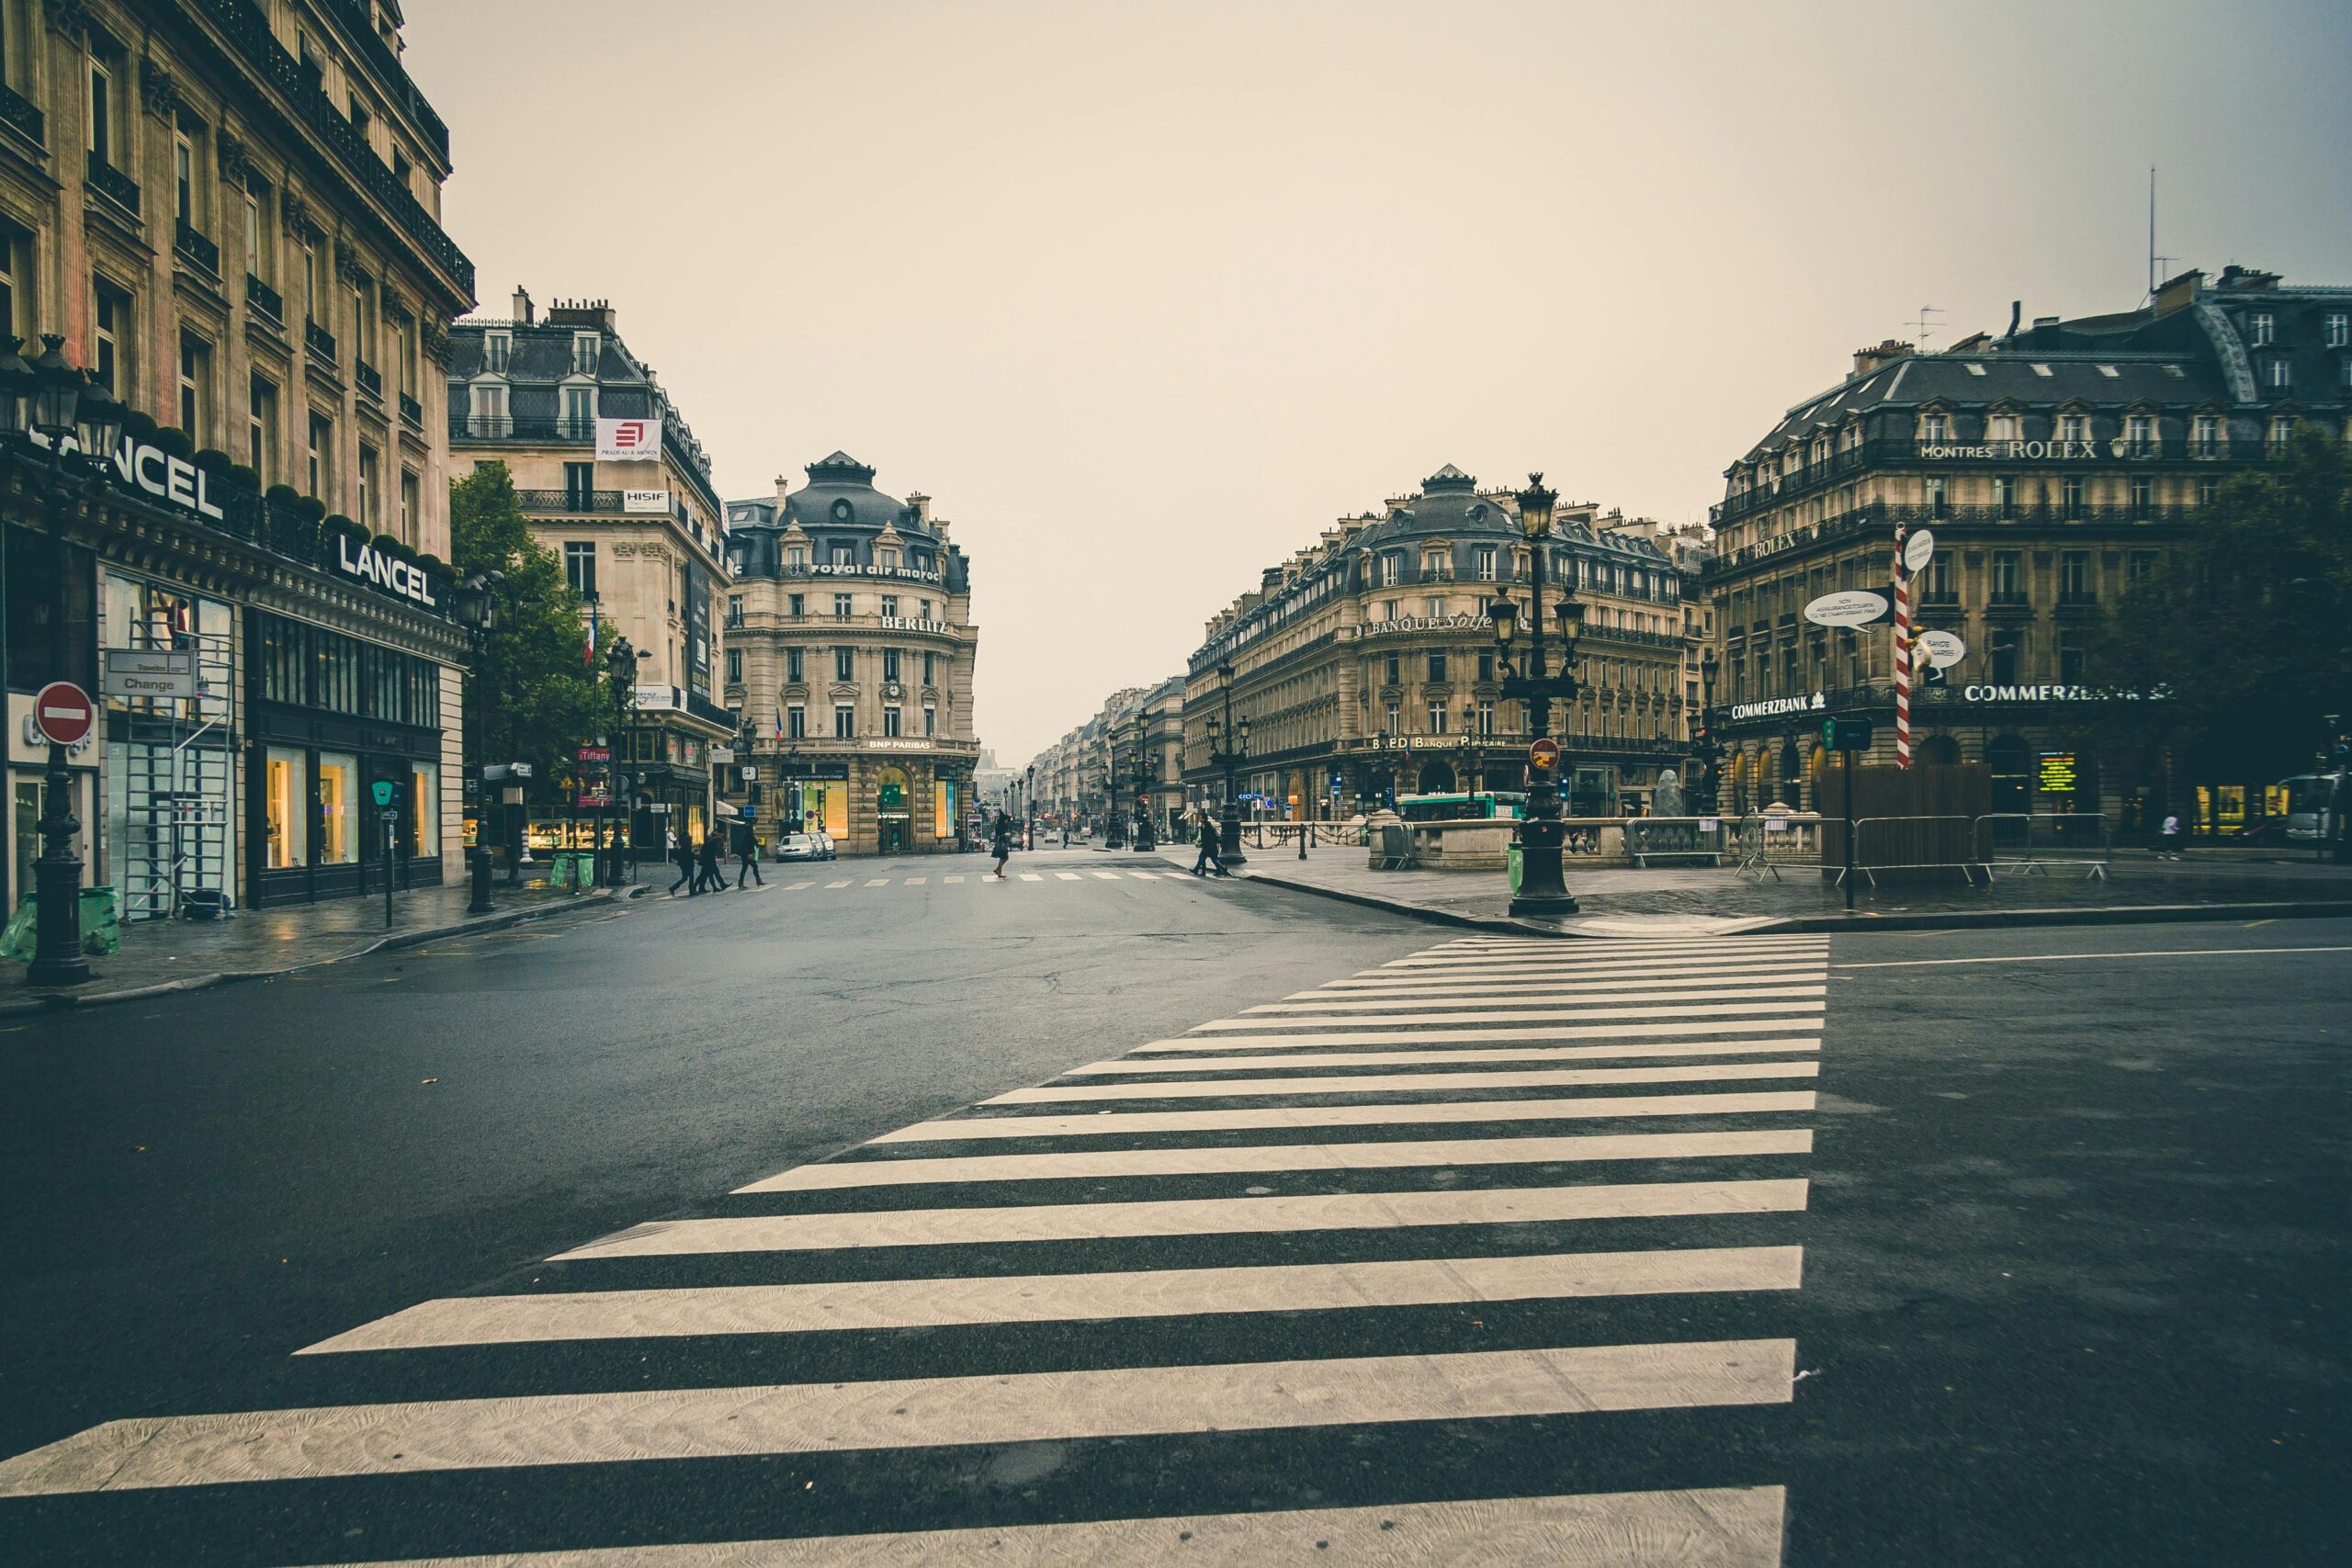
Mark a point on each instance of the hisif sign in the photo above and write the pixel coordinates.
(369, 565)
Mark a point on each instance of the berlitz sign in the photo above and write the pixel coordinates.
(911, 624)
(393, 576)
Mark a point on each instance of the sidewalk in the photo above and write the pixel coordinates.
(1688, 900)
(186, 956)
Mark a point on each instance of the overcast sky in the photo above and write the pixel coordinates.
(1146, 294)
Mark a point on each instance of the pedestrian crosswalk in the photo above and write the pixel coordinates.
(830, 884)
(1345, 1270)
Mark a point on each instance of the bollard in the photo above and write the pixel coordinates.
(479, 869)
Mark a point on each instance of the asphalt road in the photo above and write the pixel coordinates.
(2074, 1247)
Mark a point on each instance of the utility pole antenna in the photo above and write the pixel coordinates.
(2152, 231)
(1923, 328)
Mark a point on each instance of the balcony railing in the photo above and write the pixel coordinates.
(568, 500)
(104, 176)
(2007, 599)
(370, 380)
(1877, 518)
(388, 66)
(506, 427)
(261, 297)
(412, 412)
(196, 247)
(21, 113)
(320, 341)
(249, 30)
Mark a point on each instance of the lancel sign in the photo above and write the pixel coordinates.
(393, 575)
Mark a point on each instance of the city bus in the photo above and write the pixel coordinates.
(1484, 806)
(2313, 800)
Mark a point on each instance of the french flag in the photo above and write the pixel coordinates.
(589, 655)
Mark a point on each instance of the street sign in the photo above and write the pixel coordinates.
(64, 713)
(382, 790)
(1845, 734)
(1918, 550)
(1848, 608)
(593, 754)
(147, 672)
(750, 771)
(1544, 755)
(722, 753)
(1943, 649)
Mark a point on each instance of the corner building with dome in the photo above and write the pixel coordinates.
(849, 657)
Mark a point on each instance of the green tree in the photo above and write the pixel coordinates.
(536, 698)
(2246, 630)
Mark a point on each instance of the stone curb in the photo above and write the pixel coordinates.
(67, 1000)
(2093, 915)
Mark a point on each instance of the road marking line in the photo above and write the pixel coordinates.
(1364, 1058)
(1404, 1083)
(1146, 875)
(1239, 1118)
(835, 1307)
(843, 883)
(1574, 951)
(1422, 1018)
(1069, 877)
(2064, 957)
(957, 876)
(1190, 1216)
(1030, 876)
(1283, 1045)
(2271, 922)
(917, 881)
(1594, 999)
(1762, 975)
(1550, 1031)
(1600, 968)
(797, 886)
(834, 1175)
(879, 882)
(1107, 876)
(709, 1423)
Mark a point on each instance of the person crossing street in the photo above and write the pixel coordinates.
(1208, 860)
(712, 873)
(747, 851)
(1003, 847)
(682, 855)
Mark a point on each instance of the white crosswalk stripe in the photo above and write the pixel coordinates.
(1491, 1124)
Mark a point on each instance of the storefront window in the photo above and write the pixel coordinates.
(942, 809)
(338, 808)
(285, 795)
(425, 809)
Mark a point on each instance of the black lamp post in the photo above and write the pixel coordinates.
(1115, 824)
(476, 606)
(1029, 808)
(1542, 889)
(1145, 837)
(620, 664)
(61, 401)
(1228, 747)
(1708, 749)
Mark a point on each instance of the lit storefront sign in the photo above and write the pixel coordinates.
(1773, 706)
(2034, 451)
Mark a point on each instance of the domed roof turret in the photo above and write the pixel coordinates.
(1449, 505)
(841, 494)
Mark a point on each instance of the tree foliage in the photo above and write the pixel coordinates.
(2247, 629)
(535, 699)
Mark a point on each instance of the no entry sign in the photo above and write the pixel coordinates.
(1544, 755)
(64, 713)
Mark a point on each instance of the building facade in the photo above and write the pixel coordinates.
(1126, 760)
(1367, 668)
(616, 487)
(853, 613)
(229, 214)
(2054, 465)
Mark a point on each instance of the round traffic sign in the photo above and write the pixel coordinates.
(1918, 549)
(1544, 755)
(64, 713)
(1848, 608)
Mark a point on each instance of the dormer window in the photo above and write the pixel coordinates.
(1392, 566)
(797, 557)
(2282, 374)
(2137, 430)
(843, 511)
(587, 350)
(579, 410)
(496, 347)
(1436, 565)
(2261, 329)
(1934, 428)
(2339, 330)
(2206, 439)
(844, 554)
(2003, 428)
(889, 562)
(2070, 427)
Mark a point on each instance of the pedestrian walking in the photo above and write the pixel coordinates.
(1002, 846)
(682, 855)
(1208, 860)
(2169, 837)
(712, 873)
(747, 849)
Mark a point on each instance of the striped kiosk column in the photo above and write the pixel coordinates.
(1902, 653)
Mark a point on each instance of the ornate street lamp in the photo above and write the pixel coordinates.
(620, 664)
(1234, 751)
(1146, 838)
(1542, 890)
(60, 401)
(475, 607)
(1708, 749)
(17, 384)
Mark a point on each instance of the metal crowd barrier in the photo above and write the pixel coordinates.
(1699, 840)
(1765, 841)
(2027, 843)
(1928, 835)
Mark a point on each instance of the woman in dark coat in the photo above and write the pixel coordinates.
(1003, 847)
(682, 855)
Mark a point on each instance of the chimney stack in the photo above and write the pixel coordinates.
(522, 306)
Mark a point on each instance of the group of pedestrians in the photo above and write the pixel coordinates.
(704, 871)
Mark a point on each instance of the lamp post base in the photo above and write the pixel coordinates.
(1543, 904)
(57, 886)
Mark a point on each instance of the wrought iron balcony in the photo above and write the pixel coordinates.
(249, 30)
(261, 297)
(412, 412)
(118, 185)
(568, 500)
(20, 113)
(320, 340)
(387, 65)
(196, 247)
(370, 380)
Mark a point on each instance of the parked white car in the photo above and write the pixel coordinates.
(805, 846)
